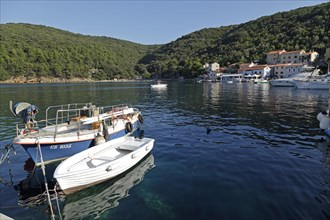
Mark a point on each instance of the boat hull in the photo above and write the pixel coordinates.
(101, 163)
(311, 84)
(281, 83)
(159, 86)
(63, 147)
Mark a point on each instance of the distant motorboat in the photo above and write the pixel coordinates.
(288, 81)
(260, 81)
(101, 162)
(159, 84)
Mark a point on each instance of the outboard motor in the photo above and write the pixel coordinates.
(25, 111)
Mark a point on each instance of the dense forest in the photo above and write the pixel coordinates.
(35, 51)
(306, 28)
(39, 51)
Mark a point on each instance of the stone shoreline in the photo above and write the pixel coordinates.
(24, 80)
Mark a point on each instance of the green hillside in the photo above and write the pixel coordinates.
(305, 28)
(36, 51)
(39, 51)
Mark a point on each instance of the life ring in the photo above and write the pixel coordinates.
(128, 127)
(140, 118)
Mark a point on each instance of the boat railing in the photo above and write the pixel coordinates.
(79, 113)
(63, 113)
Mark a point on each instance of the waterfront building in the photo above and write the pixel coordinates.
(273, 57)
(262, 71)
(288, 69)
(298, 56)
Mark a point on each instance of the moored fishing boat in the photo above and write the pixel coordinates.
(101, 162)
(70, 128)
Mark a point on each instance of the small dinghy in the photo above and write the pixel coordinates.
(101, 162)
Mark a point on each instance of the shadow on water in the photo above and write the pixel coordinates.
(31, 190)
(89, 203)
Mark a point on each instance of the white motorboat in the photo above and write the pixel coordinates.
(288, 82)
(322, 82)
(158, 84)
(101, 162)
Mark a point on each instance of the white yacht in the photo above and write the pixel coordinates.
(321, 82)
(288, 82)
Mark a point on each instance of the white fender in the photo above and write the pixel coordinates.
(324, 122)
(320, 116)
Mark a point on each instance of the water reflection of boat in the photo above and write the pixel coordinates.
(94, 201)
(31, 190)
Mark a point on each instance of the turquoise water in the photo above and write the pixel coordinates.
(222, 151)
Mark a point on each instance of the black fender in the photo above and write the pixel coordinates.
(140, 118)
(128, 127)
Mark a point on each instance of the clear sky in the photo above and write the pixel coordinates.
(146, 22)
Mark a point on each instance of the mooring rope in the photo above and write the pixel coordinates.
(45, 180)
(5, 151)
(58, 205)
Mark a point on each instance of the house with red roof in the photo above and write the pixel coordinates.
(297, 56)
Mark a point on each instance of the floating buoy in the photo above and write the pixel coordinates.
(324, 122)
(322, 114)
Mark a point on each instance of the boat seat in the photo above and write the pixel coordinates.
(129, 147)
(105, 158)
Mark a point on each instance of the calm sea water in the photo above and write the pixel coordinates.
(261, 159)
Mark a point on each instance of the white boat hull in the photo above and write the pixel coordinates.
(159, 86)
(288, 82)
(101, 162)
(281, 83)
(312, 84)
